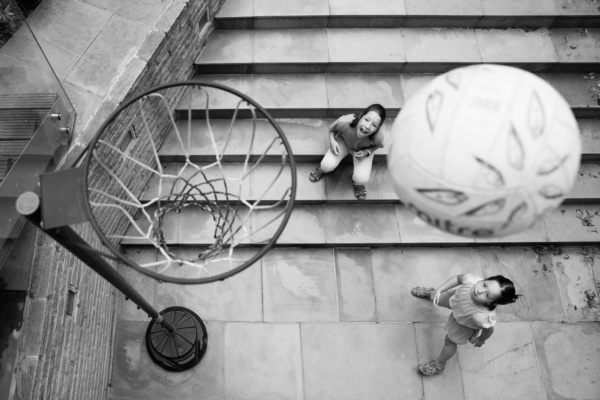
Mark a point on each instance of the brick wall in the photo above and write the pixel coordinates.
(64, 356)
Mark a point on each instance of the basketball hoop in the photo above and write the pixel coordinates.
(127, 195)
(143, 193)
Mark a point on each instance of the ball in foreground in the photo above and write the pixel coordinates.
(484, 151)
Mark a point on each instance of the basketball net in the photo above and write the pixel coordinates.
(208, 186)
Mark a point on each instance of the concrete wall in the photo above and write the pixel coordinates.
(64, 356)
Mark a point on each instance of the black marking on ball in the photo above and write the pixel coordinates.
(489, 208)
(444, 196)
(491, 174)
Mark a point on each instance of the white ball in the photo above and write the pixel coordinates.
(484, 151)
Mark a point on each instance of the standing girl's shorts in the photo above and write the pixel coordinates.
(458, 333)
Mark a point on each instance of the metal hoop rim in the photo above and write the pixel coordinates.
(265, 248)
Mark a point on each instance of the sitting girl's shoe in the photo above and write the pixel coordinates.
(432, 368)
(316, 174)
(360, 191)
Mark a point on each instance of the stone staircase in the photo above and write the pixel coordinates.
(334, 293)
(307, 63)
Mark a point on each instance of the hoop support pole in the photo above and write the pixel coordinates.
(28, 205)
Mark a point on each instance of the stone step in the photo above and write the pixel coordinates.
(274, 14)
(406, 50)
(334, 188)
(307, 137)
(379, 225)
(331, 95)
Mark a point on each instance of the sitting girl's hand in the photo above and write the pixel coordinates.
(477, 341)
(335, 147)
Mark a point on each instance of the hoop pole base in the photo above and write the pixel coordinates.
(179, 350)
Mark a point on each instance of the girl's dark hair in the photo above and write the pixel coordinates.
(378, 108)
(507, 291)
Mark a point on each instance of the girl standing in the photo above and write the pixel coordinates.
(359, 137)
(473, 316)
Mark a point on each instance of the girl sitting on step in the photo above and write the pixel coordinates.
(358, 135)
(473, 316)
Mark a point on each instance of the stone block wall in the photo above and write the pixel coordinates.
(63, 356)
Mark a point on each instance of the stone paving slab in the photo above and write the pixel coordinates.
(263, 361)
(236, 9)
(366, 89)
(359, 8)
(376, 46)
(146, 12)
(84, 23)
(294, 50)
(579, 222)
(518, 13)
(590, 138)
(575, 48)
(569, 359)
(360, 225)
(446, 48)
(228, 46)
(576, 89)
(356, 295)
(276, 8)
(532, 51)
(354, 14)
(573, 268)
(505, 366)
(287, 14)
(587, 184)
(453, 13)
(359, 361)
(290, 92)
(299, 286)
(295, 232)
(585, 11)
(110, 51)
